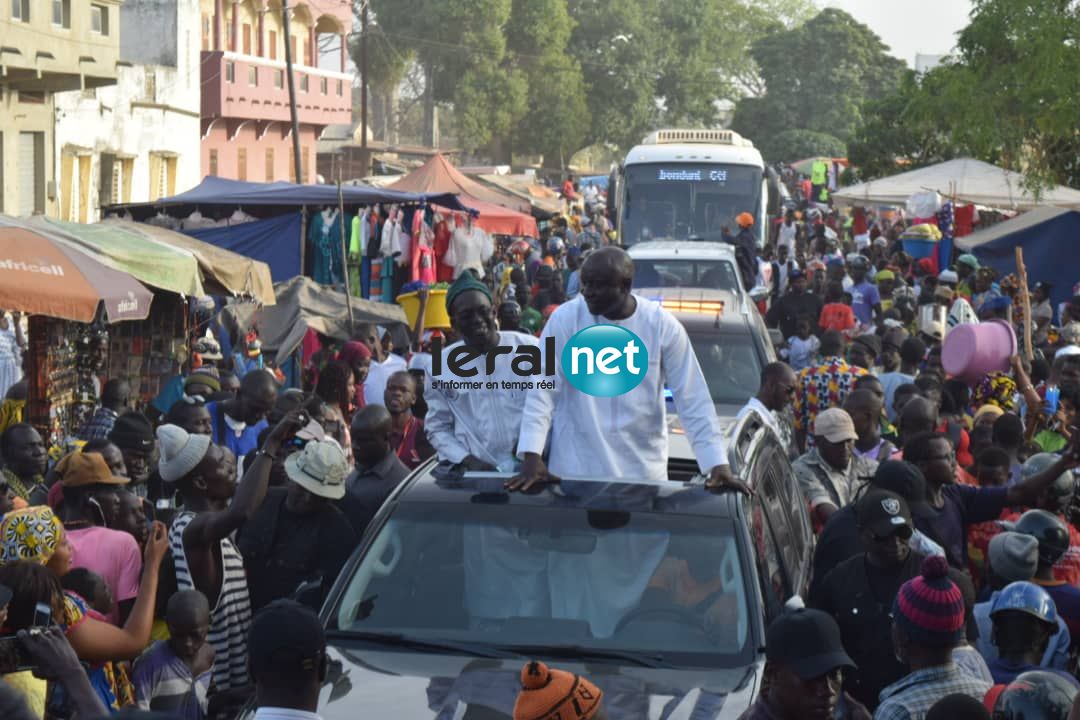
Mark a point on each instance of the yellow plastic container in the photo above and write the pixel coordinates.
(435, 316)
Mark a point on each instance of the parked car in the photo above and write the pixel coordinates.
(729, 338)
(685, 264)
(659, 593)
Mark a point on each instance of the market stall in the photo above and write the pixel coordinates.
(149, 352)
(304, 305)
(1047, 237)
(72, 299)
(964, 180)
(500, 213)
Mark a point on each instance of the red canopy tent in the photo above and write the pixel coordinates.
(500, 214)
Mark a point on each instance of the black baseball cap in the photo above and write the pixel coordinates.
(902, 478)
(882, 512)
(286, 637)
(808, 642)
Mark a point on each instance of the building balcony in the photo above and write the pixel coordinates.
(244, 87)
(63, 46)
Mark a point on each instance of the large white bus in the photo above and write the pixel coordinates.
(689, 185)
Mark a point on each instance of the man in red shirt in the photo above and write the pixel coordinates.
(406, 431)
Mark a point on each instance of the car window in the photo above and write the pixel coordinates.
(714, 274)
(730, 362)
(518, 575)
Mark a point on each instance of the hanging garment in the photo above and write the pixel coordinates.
(443, 272)
(375, 278)
(357, 245)
(324, 237)
(386, 279)
(423, 265)
(469, 248)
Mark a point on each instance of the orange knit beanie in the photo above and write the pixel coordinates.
(549, 694)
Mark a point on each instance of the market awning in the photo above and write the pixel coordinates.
(43, 275)
(304, 304)
(966, 180)
(162, 266)
(223, 272)
(540, 197)
(221, 191)
(438, 175)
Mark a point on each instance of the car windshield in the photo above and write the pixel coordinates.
(682, 201)
(648, 584)
(730, 363)
(713, 274)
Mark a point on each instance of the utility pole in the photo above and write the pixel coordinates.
(297, 166)
(363, 76)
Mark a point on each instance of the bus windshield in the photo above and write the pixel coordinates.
(684, 201)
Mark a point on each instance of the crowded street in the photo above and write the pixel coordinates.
(539, 360)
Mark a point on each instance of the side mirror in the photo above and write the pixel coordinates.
(759, 293)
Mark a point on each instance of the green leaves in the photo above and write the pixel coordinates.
(817, 77)
(1011, 97)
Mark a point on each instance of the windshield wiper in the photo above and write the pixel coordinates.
(580, 652)
(411, 643)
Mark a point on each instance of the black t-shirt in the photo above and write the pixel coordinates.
(860, 597)
(786, 311)
(282, 549)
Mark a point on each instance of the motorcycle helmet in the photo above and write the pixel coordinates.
(1049, 530)
(1027, 598)
(1036, 695)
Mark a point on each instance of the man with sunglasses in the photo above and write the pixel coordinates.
(778, 384)
(859, 592)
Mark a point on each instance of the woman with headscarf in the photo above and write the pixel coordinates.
(35, 537)
(357, 357)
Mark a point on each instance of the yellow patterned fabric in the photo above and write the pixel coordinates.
(821, 388)
(30, 534)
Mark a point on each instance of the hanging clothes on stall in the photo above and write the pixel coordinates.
(470, 247)
(324, 238)
(357, 245)
(443, 271)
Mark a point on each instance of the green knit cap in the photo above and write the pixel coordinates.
(466, 281)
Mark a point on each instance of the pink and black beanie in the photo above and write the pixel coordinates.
(930, 607)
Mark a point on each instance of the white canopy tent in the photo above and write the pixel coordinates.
(968, 180)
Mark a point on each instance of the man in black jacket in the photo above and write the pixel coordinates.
(796, 303)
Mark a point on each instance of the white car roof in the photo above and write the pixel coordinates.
(683, 249)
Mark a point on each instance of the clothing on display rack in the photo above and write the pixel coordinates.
(324, 238)
(443, 272)
(196, 221)
(469, 248)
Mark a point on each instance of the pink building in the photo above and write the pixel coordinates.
(246, 129)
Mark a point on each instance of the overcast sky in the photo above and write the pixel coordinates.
(910, 26)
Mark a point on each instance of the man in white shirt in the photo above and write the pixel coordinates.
(383, 363)
(778, 385)
(287, 659)
(622, 437)
(466, 422)
(787, 233)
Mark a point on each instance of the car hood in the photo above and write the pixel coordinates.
(419, 686)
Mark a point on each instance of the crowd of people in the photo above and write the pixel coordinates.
(946, 565)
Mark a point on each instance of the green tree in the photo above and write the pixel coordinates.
(556, 119)
(1010, 96)
(898, 127)
(791, 145)
(817, 77)
(617, 44)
